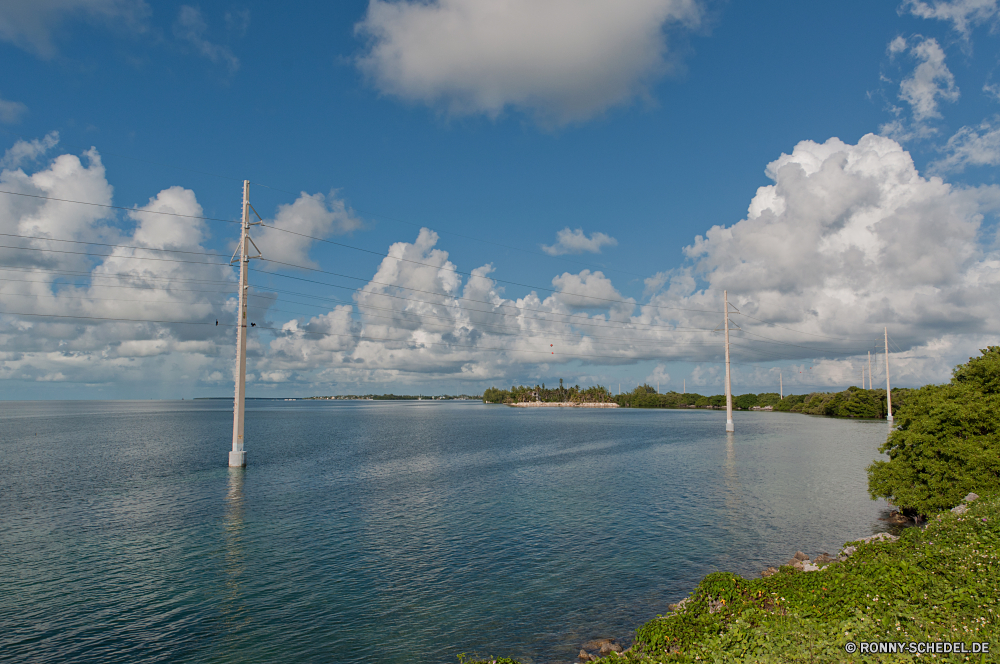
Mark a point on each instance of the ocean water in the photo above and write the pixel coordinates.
(395, 532)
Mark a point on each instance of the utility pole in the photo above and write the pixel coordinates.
(888, 389)
(781, 387)
(685, 388)
(729, 385)
(238, 456)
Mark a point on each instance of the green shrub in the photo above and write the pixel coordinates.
(946, 443)
(938, 583)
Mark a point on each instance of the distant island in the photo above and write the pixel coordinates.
(363, 397)
(854, 402)
(397, 397)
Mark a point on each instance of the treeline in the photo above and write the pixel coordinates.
(946, 442)
(561, 394)
(853, 402)
(397, 397)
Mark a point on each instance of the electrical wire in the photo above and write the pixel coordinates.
(632, 303)
(516, 331)
(84, 253)
(104, 244)
(119, 207)
(358, 338)
(474, 276)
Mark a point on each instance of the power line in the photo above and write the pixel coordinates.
(113, 275)
(467, 274)
(791, 329)
(339, 244)
(417, 290)
(359, 338)
(84, 253)
(822, 351)
(105, 244)
(506, 304)
(516, 331)
(119, 207)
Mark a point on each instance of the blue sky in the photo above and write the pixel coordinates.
(498, 124)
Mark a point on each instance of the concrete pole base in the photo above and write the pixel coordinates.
(237, 459)
(729, 426)
(888, 418)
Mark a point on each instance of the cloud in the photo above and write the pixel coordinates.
(930, 83)
(576, 242)
(851, 238)
(971, 146)
(11, 112)
(592, 290)
(658, 377)
(64, 276)
(29, 151)
(848, 239)
(191, 27)
(963, 15)
(310, 216)
(562, 60)
(31, 25)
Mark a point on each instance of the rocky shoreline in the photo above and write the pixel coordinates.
(597, 648)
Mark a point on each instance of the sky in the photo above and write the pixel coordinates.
(458, 194)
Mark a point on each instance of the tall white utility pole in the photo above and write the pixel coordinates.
(781, 387)
(685, 388)
(238, 456)
(888, 390)
(729, 385)
(869, 370)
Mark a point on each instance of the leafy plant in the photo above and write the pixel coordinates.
(947, 442)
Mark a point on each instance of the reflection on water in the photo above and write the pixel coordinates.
(234, 611)
(380, 532)
(732, 481)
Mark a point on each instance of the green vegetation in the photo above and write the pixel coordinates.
(852, 402)
(941, 583)
(398, 397)
(561, 394)
(947, 442)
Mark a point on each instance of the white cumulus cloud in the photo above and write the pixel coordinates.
(561, 60)
(851, 238)
(971, 146)
(28, 151)
(963, 15)
(923, 90)
(289, 236)
(576, 242)
(848, 239)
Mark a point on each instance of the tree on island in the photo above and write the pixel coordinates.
(946, 443)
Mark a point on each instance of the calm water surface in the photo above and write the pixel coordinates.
(392, 532)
